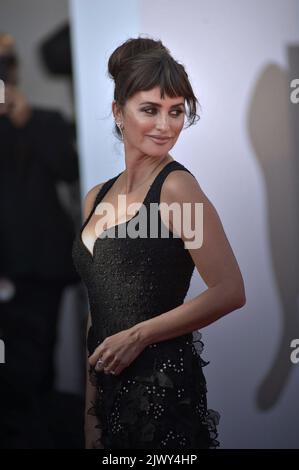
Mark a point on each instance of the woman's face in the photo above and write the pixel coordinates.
(146, 116)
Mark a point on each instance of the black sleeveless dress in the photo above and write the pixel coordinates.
(158, 401)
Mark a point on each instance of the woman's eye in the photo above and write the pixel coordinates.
(151, 111)
(178, 112)
(148, 111)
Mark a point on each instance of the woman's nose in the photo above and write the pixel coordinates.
(162, 122)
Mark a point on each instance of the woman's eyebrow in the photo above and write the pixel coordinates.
(159, 105)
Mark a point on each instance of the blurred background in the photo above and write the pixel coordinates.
(240, 57)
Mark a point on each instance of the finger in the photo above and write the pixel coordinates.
(115, 371)
(113, 367)
(100, 364)
(108, 365)
(99, 368)
(95, 356)
(92, 360)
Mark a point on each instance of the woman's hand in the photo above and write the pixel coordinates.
(117, 352)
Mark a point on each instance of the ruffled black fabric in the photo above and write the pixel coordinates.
(163, 406)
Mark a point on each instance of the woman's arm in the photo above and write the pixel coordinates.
(216, 264)
(214, 260)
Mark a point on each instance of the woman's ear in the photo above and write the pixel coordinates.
(116, 112)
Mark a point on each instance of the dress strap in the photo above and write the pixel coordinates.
(103, 190)
(159, 180)
(101, 193)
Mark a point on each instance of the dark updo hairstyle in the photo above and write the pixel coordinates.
(142, 64)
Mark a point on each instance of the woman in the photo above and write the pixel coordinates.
(145, 387)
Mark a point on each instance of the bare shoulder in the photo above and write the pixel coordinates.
(89, 199)
(181, 186)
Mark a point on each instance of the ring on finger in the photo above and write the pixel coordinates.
(99, 362)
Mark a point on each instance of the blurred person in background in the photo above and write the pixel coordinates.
(36, 234)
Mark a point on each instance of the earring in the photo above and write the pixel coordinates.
(120, 126)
